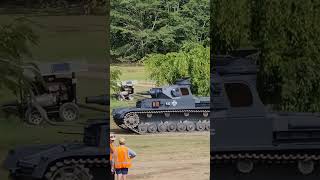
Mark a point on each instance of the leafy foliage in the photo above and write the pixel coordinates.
(115, 79)
(15, 39)
(141, 27)
(192, 61)
(290, 59)
(229, 25)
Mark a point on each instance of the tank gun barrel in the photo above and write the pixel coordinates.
(145, 93)
(101, 100)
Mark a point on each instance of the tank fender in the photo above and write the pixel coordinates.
(120, 112)
(14, 155)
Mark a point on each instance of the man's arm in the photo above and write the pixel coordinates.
(132, 154)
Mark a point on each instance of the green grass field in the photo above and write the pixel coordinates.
(65, 38)
(131, 72)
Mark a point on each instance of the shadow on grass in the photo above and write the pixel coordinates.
(121, 131)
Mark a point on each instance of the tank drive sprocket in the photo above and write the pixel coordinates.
(131, 120)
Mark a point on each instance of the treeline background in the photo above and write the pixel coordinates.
(287, 33)
(74, 7)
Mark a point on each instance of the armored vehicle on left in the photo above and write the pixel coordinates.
(54, 90)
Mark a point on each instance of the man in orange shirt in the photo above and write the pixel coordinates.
(122, 159)
(112, 149)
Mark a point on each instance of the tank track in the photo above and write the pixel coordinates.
(87, 164)
(245, 161)
(132, 123)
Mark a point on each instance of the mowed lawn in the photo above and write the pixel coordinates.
(173, 156)
(61, 38)
(67, 38)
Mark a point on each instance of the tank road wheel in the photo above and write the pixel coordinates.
(200, 126)
(306, 166)
(207, 125)
(181, 126)
(190, 126)
(162, 127)
(33, 116)
(71, 172)
(152, 128)
(172, 127)
(142, 128)
(131, 120)
(245, 166)
(69, 112)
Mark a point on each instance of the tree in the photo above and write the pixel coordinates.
(115, 79)
(15, 39)
(141, 27)
(191, 61)
(288, 38)
(229, 25)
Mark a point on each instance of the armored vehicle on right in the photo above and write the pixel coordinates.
(249, 140)
(171, 108)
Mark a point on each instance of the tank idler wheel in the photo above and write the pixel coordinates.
(162, 127)
(152, 128)
(306, 166)
(172, 127)
(207, 125)
(245, 166)
(200, 126)
(142, 128)
(190, 126)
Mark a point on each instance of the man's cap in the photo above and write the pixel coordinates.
(122, 140)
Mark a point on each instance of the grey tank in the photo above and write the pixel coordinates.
(249, 141)
(86, 160)
(171, 108)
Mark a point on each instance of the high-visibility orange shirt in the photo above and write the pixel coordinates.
(112, 149)
(121, 157)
